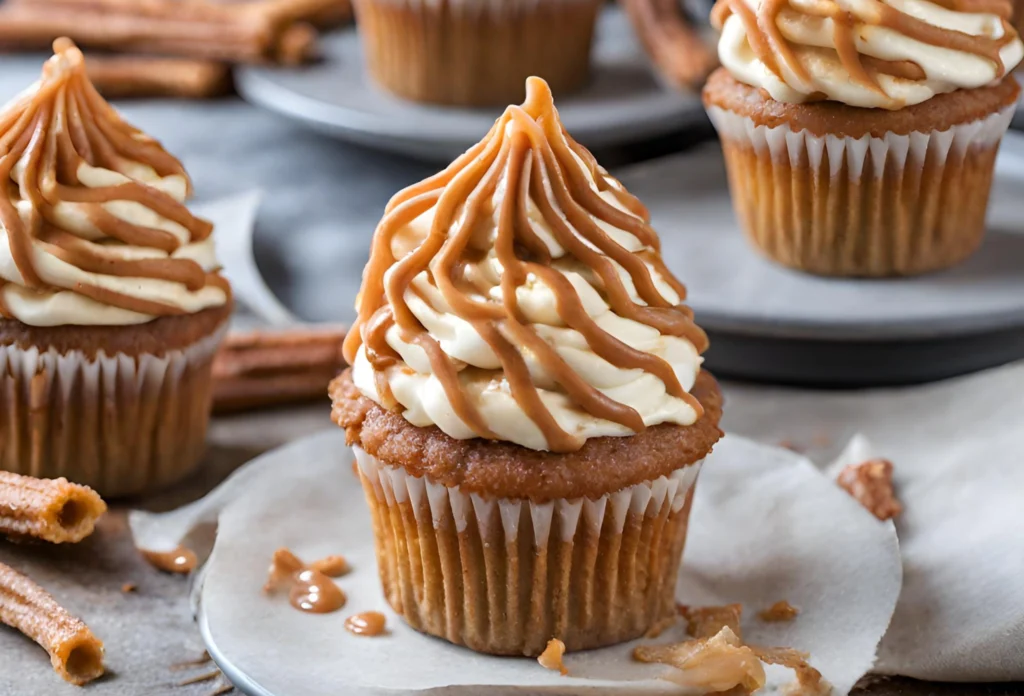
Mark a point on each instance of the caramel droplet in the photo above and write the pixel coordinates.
(331, 566)
(316, 593)
(369, 623)
(180, 560)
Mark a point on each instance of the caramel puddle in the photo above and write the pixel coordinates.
(180, 560)
(369, 623)
(309, 589)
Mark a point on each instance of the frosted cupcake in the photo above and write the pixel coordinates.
(476, 52)
(860, 135)
(526, 400)
(111, 307)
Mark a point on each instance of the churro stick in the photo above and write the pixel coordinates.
(76, 654)
(268, 368)
(37, 25)
(675, 47)
(53, 510)
(126, 77)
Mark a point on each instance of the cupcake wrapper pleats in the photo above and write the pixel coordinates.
(464, 52)
(119, 423)
(869, 206)
(505, 576)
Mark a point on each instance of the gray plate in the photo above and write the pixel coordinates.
(736, 291)
(624, 103)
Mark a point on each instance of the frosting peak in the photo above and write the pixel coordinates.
(520, 295)
(93, 226)
(867, 53)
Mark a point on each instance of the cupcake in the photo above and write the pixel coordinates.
(860, 137)
(525, 401)
(476, 52)
(111, 307)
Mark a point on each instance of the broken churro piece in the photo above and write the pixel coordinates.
(76, 654)
(717, 663)
(53, 510)
(780, 611)
(551, 658)
(705, 622)
(871, 484)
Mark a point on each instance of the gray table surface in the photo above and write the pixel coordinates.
(311, 182)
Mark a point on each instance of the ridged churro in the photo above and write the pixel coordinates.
(76, 654)
(53, 510)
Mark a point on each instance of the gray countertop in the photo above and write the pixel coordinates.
(310, 183)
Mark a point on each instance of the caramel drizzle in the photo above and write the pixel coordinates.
(64, 124)
(775, 51)
(528, 151)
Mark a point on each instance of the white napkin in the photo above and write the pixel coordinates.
(958, 451)
(766, 526)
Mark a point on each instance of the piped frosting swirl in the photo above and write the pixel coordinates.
(866, 53)
(93, 226)
(520, 295)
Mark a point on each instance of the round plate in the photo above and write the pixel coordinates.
(624, 102)
(734, 290)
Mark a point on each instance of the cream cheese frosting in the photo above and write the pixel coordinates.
(866, 53)
(520, 295)
(93, 226)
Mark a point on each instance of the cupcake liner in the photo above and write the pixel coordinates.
(869, 206)
(505, 576)
(119, 423)
(464, 52)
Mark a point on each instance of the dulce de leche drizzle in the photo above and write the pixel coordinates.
(309, 589)
(180, 560)
(368, 623)
(48, 138)
(776, 32)
(527, 156)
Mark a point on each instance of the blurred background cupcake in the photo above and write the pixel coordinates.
(861, 138)
(476, 52)
(111, 305)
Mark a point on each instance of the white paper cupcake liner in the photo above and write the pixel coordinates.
(869, 206)
(506, 575)
(119, 423)
(866, 154)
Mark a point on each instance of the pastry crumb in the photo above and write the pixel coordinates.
(551, 658)
(780, 611)
(809, 681)
(791, 446)
(129, 587)
(870, 483)
(715, 664)
(660, 626)
(331, 566)
(705, 622)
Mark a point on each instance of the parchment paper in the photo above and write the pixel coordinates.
(959, 469)
(766, 526)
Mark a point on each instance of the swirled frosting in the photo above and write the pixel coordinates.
(520, 295)
(93, 226)
(867, 53)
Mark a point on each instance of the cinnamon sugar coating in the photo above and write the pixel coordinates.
(505, 470)
(938, 113)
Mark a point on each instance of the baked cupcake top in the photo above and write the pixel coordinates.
(520, 295)
(866, 53)
(94, 227)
